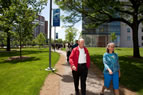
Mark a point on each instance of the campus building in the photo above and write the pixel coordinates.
(126, 36)
(42, 27)
(100, 36)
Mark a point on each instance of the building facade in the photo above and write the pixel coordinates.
(42, 26)
(127, 38)
(100, 36)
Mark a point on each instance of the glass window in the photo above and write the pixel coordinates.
(128, 29)
(128, 38)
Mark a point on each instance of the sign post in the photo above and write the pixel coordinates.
(56, 22)
(50, 67)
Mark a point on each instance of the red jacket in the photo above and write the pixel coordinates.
(73, 59)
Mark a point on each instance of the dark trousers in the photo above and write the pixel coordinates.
(68, 54)
(81, 74)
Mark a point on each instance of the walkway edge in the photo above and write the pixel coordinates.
(51, 85)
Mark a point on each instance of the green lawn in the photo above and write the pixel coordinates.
(64, 49)
(24, 77)
(2, 49)
(131, 68)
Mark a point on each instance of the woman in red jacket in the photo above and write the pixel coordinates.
(80, 62)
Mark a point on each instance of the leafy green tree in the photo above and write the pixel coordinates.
(2, 39)
(28, 40)
(8, 13)
(59, 41)
(113, 36)
(14, 39)
(23, 23)
(52, 41)
(105, 11)
(7, 18)
(88, 40)
(70, 34)
(40, 39)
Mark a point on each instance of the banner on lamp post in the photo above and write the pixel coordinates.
(56, 35)
(56, 17)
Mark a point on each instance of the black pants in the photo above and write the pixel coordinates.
(68, 54)
(81, 74)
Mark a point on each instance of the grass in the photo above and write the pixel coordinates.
(64, 49)
(2, 49)
(24, 77)
(131, 68)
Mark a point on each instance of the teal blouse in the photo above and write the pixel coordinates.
(110, 60)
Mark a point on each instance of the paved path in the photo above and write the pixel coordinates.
(61, 82)
(94, 83)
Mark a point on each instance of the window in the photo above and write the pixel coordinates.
(142, 29)
(142, 37)
(128, 29)
(142, 44)
(128, 38)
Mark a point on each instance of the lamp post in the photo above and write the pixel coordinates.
(50, 26)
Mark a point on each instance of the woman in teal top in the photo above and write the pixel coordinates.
(111, 69)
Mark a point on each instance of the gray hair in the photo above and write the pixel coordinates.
(81, 39)
(108, 45)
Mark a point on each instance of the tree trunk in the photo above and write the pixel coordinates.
(20, 41)
(20, 49)
(8, 40)
(136, 51)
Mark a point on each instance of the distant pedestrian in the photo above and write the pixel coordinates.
(68, 50)
(53, 46)
(75, 45)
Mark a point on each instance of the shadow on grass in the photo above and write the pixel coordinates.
(19, 60)
(131, 71)
(17, 53)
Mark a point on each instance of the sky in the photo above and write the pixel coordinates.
(59, 30)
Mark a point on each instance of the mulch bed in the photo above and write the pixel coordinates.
(17, 58)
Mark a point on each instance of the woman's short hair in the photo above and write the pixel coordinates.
(108, 45)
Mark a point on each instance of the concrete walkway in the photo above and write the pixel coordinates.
(94, 84)
(61, 82)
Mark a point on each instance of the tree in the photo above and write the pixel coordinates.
(8, 9)
(24, 16)
(59, 41)
(41, 39)
(113, 36)
(14, 39)
(70, 34)
(105, 11)
(88, 40)
(7, 18)
(2, 39)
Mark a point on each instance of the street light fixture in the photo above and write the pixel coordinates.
(50, 26)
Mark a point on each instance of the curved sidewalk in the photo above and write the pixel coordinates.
(61, 82)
